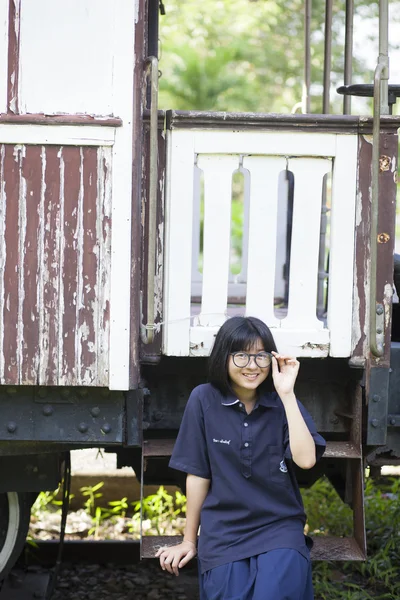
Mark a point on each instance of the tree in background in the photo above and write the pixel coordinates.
(246, 55)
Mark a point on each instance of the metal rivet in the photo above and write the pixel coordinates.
(82, 427)
(95, 411)
(376, 398)
(379, 331)
(12, 427)
(379, 309)
(47, 410)
(374, 422)
(393, 421)
(106, 428)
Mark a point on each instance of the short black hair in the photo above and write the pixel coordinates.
(237, 333)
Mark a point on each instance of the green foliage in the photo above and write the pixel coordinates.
(92, 494)
(378, 577)
(242, 55)
(160, 508)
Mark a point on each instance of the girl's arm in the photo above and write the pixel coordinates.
(175, 557)
(302, 445)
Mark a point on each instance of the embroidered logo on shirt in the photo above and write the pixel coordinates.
(222, 441)
(283, 467)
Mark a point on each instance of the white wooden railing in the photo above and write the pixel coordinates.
(263, 155)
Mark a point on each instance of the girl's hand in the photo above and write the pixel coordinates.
(174, 558)
(285, 375)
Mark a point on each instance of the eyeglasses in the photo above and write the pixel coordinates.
(242, 359)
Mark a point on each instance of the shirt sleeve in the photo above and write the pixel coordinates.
(320, 443)
(190, 451)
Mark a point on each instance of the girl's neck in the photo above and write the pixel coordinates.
(249, 398)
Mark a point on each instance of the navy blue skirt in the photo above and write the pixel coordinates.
(282, 574)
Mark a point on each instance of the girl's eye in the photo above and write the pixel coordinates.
(241, 355)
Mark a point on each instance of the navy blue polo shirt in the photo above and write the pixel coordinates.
(254, 503)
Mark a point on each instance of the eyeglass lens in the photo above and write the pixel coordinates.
(242, 359)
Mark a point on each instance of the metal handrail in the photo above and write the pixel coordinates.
(151, 64)
(376, 346)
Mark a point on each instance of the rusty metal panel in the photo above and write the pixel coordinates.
(55, 227)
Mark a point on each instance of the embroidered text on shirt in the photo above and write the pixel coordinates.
(222, 441)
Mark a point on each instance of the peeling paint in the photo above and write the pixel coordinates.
(55, 261)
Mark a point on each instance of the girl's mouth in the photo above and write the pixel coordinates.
(250, 376)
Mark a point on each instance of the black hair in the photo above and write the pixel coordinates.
(237, 333)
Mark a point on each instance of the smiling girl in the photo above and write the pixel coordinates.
(237, 443)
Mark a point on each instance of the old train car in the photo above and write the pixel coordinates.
(106, 318)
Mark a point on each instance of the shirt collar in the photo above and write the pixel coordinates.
(266, 399)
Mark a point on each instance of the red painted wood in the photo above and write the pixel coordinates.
(11, 271)
(49, 355)
(32, 184)
(89, 274)
(71, 190)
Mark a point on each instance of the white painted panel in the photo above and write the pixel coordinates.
(178, 256)
(264, 176)
(60, 135)
(299, 343)
(124, 52)
(294, 143)
(218, 171)
(303, 278)
(4, 4)
(66, 54)
(341, 260)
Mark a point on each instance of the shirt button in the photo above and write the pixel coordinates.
(246, 424)
(246, 444)
(240, 404)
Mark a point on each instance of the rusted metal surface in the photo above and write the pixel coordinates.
(342, 450)
(325, 547)
(222, 120)
(158, 447)
(39, 119)
(13, 55)
(55, 227)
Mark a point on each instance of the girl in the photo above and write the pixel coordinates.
(237, 442)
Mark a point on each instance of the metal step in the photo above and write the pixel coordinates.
(325, 547)
(163, 447)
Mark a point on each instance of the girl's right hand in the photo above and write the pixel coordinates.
(174, 558)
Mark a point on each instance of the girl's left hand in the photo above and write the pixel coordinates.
(285, 375)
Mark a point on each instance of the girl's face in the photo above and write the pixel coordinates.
(244, 380)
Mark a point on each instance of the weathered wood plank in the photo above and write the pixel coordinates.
(11, 270)
(70, 185)
(50, 272)
(88, 305)
(28, 345)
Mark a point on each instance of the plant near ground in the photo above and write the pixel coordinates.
(92, 494)
(160, 508)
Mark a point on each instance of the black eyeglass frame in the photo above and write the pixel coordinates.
(233, 354)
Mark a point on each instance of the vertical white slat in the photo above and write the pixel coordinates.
(178, 259)
(303, 279)
(264, 175)
(218, 171)
(124, 52)
(341, 259)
